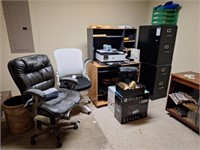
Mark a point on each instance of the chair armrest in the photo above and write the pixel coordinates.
(85, 67)
(86, 76)
(35, 92)
(69, 82)
(86, 62)
(38, 98)
(70, 79)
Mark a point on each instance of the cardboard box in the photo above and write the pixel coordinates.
(129, 93)
(129, 109)
(111, 97)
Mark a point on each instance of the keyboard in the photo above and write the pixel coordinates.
(115, 63)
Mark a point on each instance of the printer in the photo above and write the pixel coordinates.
(110, 56)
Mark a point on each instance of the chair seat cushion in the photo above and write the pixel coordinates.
(63, 103)
(83, 84)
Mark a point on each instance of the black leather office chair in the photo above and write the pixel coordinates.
(34, 77)
(70, 65)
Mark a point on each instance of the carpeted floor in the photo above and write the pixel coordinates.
(101, 131)
(158, 131)
(88, 136)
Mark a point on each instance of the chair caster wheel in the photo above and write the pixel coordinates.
(59, 144)
(33, 141)
(89, 112)
(88, 101)
(75, 127)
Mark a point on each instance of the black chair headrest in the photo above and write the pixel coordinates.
(33, 71)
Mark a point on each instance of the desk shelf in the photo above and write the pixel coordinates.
(97, 37)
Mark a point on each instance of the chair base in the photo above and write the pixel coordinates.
(84, 108)
(83, 104)
(55, 127)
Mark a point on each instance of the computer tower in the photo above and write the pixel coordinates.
(155, 78)
(156, 43)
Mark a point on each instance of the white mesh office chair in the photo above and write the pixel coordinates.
(70, 66)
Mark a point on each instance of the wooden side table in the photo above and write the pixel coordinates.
(187, 112)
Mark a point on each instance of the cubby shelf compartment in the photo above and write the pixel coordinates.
(98, 72)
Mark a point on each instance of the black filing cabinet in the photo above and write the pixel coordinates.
(156, 44)
(156, 79)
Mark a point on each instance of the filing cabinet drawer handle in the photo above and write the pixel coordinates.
(160, 88)
(166, 46)
(169, 30)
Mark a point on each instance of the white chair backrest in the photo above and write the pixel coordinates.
(69, 61)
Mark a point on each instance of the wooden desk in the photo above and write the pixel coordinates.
(98, 72)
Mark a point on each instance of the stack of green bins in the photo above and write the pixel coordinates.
(165, 17)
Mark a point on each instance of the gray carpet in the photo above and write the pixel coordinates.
(158, 131)
(88, 136)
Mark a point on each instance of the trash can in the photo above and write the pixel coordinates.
(18, 117)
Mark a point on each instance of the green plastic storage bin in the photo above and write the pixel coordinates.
(165, 17)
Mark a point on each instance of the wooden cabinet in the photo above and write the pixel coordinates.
(101, 77)
(118, 38)
(185, 111)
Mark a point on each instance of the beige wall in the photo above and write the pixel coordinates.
(187, 50)
(1, 36)
(64, 23)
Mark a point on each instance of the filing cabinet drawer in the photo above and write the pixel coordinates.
(157, 44)
(155, 78)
